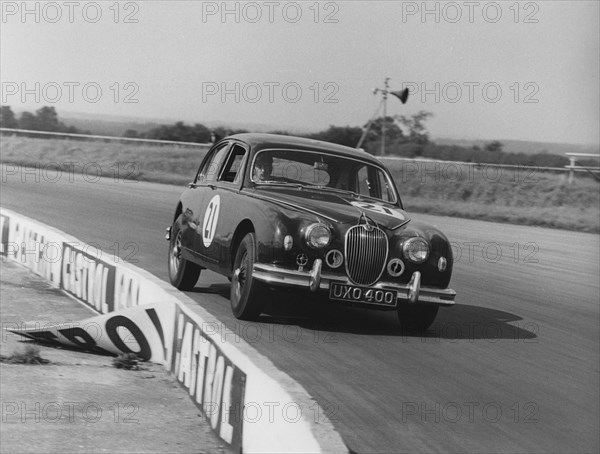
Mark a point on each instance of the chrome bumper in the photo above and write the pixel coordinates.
(315, 279)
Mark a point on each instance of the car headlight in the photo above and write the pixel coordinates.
(317, 235)
(416, 250)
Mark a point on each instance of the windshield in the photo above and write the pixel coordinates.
(321, 170)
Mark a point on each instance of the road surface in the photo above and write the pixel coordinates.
(513, 367)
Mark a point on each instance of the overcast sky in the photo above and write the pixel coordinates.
(505, 70)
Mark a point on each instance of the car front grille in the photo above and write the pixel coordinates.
(366, 253)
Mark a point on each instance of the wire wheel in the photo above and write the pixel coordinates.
(183, 274)
(175, 255)
(247, 294)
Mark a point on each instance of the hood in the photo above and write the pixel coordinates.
(339, 208)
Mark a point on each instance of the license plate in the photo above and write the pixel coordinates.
(344, 292)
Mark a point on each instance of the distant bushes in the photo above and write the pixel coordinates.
(413, 142)
(474, 154)
(44, 119)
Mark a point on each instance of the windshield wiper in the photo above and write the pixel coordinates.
(311, 187)
(281, 183)
(337, 190)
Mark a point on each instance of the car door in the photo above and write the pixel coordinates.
(200, 210)
(225, 208)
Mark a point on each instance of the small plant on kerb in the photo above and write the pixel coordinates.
(129, 361)
(29, 355)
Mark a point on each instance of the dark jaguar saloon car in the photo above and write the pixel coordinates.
(274, 213)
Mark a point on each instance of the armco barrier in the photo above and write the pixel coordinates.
(235, 387)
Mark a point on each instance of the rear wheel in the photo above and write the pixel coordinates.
(247, 294)
(415, 318)
(183, 274)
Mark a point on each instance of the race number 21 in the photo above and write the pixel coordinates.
(211, 218)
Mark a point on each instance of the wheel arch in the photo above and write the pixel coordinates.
(244, 227)
(178, 211)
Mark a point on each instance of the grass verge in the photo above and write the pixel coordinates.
(29, 355)
(128, 361)
(525, 196)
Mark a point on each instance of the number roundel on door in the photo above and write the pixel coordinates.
(211, 218)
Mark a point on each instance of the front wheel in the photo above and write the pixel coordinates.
(183, 274)
(247, 294)
(415, 318)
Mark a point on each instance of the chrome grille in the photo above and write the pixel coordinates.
(366, 253)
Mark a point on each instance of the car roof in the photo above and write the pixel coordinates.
(261, 141)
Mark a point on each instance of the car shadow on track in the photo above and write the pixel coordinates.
(214, 289)
(461, 321)
(475, 322)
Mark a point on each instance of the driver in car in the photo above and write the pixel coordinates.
(262, 168)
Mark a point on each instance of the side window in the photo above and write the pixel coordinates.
(387, 193)
(209, 169)
(232, 170)
(363, 185)
(372, 182)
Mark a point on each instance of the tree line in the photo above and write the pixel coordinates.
(44, 119)
(180, 132)
(406, 136)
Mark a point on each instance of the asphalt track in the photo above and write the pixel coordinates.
(513, 367)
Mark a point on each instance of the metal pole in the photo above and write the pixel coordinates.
(366, 131)
(385, 94)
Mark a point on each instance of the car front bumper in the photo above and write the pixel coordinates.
(316, 280)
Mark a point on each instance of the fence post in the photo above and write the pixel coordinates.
(572, 169)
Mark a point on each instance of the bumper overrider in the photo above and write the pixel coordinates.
(315, 280)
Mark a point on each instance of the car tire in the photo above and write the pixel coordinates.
(416, 319)
(247, 294)
(183, 274)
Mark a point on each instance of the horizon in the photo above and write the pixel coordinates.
(107, 118)
(486, 73)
